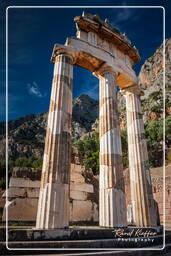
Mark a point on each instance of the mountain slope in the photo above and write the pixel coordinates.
(26, 134)
(151, 80)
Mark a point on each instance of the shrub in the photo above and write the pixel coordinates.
(2, 182)
(88, 149)
(124, 142)
(28, 162)
(19, 162)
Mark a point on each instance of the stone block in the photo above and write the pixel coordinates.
(14, 192)
(82, 210)
(76, 168)
(77, 178)
(21, 209)
(78, 195)
(82, 187)
(23, 183)
(26, 172)
(95, 212)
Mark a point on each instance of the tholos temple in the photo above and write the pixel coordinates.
(109, 55)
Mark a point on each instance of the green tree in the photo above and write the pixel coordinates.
(124, 148)
(88, 149)
(37, 163)
(168, 131)
(2, 174)
(154, 131)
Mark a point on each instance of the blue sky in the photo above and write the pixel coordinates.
(33, 33)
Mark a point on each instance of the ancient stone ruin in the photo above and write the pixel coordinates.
(109, 55)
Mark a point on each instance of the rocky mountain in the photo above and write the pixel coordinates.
(151, 79)
(85, 113)
(85, 110)
(151, 82)
(26, 134)
(152, 70)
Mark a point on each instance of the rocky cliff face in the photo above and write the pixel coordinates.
(151, 79)
(152, 70)
(26, 134)
(85, 113)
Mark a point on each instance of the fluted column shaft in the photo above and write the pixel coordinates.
(144, 208)
(112, 207)
(53, 205)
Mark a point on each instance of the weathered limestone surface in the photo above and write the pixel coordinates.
(23, 182)
(98, 43)
(53, 206)
(112, 206)
(23, 198)
(92, 57)
(85, 207)
(144, 206)
(23, 192)
(157, 177)
(83, 187)
(29, 209)
(82, 206)
(78, 195)
(21, 209)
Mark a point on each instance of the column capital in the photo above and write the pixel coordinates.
(58, 52)
(65, 54)
(133, 89)
(104, 70)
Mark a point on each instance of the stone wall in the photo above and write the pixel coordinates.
(24, 191)
(158, 190)
(23, 196)
(83, 204)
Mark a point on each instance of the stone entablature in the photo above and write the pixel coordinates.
(97, 46)
(92, 58)
(102, 34)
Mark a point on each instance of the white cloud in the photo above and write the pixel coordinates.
(33, 89)
(123, 15)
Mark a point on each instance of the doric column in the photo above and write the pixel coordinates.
(53, 205)
(144, 207)
(112, 207)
